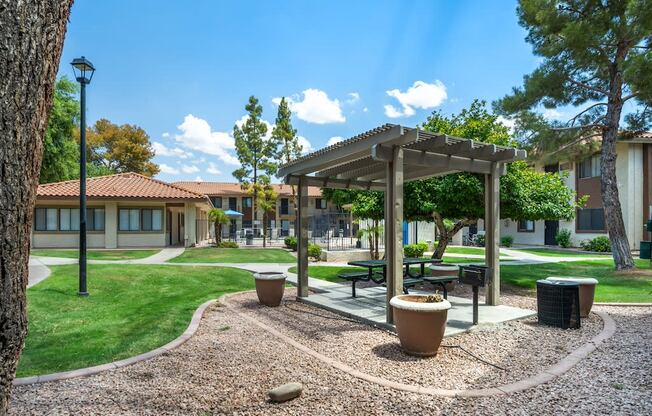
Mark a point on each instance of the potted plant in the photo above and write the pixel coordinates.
(420, 322)
(270, 287)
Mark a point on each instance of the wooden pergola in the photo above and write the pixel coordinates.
(383, 159)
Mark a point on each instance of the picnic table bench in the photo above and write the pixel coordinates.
(409, 278)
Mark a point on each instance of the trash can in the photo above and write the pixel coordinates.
(558, 303)
(645, 250)
(250, 238)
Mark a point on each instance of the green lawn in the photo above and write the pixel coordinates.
(234, 255)
(612, 287)
(131, 309)
(96, 254)
(465, 250)
(547, 252)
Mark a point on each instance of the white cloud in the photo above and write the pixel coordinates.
(364, 110)
(242, 120)
(552, 114)
(333, 140)
(197, 134)
(306, 146)
(212, 169)
(509, 123)
(354, 97)
(199, 179)
(189, 169)
(316, 107)
(420, 95)
(168, 169)
(165, 135)
(161, 150)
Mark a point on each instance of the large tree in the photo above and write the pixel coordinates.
(286, 139)
(255, 151)
(525, 192)
(60, 150)
(124, 148)
(31, 38)
(596, 57)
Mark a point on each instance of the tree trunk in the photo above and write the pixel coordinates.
(445, 236)
(613, 214)
(31, 38)
(264, 228)
(217, 226)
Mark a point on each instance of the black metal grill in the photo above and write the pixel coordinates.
(558, 303)
(475, 276)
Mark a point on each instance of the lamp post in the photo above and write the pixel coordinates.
(83, 70)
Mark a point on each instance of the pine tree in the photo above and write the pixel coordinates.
(255, 152)
(597, 56)
(287, 140)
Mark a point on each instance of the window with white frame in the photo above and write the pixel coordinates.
(140, 219)
(589, 167)
(525, 226)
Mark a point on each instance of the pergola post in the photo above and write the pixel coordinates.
(492, 232)
(302, 239)
(394, 227)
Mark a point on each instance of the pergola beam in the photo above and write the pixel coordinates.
(336, 183)
(346, 153)
(424, 158)
(492, 233)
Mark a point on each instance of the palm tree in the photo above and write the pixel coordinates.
(267, 203)
(372, 233)
(219, 218)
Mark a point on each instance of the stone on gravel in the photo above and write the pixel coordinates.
(285, 392)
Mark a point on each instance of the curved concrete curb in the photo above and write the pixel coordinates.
(545, 376)
(89, 371)
(643, 304)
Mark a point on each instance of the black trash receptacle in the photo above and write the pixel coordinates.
(250, 238)
(558, 303)
(645, 250)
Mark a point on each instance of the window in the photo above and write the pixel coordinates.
(145, 219)
(285, 208)
(320, 203)
(67, 219)
(590, 219)
(525, 226)
(232, 204)
(46, 219)
(589, 168)
(246, 202)
(217, 201)
(247, 224)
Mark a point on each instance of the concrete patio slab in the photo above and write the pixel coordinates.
(369, 307)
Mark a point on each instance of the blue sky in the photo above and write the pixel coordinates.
(184, 70)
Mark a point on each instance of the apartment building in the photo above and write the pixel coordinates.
(634, 174)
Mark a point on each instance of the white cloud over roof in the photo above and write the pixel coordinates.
(420, 95)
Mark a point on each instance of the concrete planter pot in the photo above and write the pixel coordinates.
(445, 270)
(270, 287)
(587, 291)
(420, 325)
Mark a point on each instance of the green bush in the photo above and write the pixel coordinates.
(415, 250)
(563, 238)
(507, 241)
(479, 240)
(291, 243)
(600, 244)
(314, 251)
(228, 244)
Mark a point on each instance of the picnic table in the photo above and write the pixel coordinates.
(409, 278)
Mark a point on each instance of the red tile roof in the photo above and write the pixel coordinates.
(122, 185)
(234, 189)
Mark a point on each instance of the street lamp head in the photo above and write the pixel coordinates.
(83, 69)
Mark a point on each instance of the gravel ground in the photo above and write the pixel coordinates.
(230, 364)
(521, 348)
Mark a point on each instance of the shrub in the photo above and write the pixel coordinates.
(600, 244)
(507, 241)
(314, 251)
(415, 250)
(291, 243)
(563, 238)
(479, 240)
(227, 244)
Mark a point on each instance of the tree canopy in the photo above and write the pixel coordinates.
(60, 151)
(120, 148)
(597, 64)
